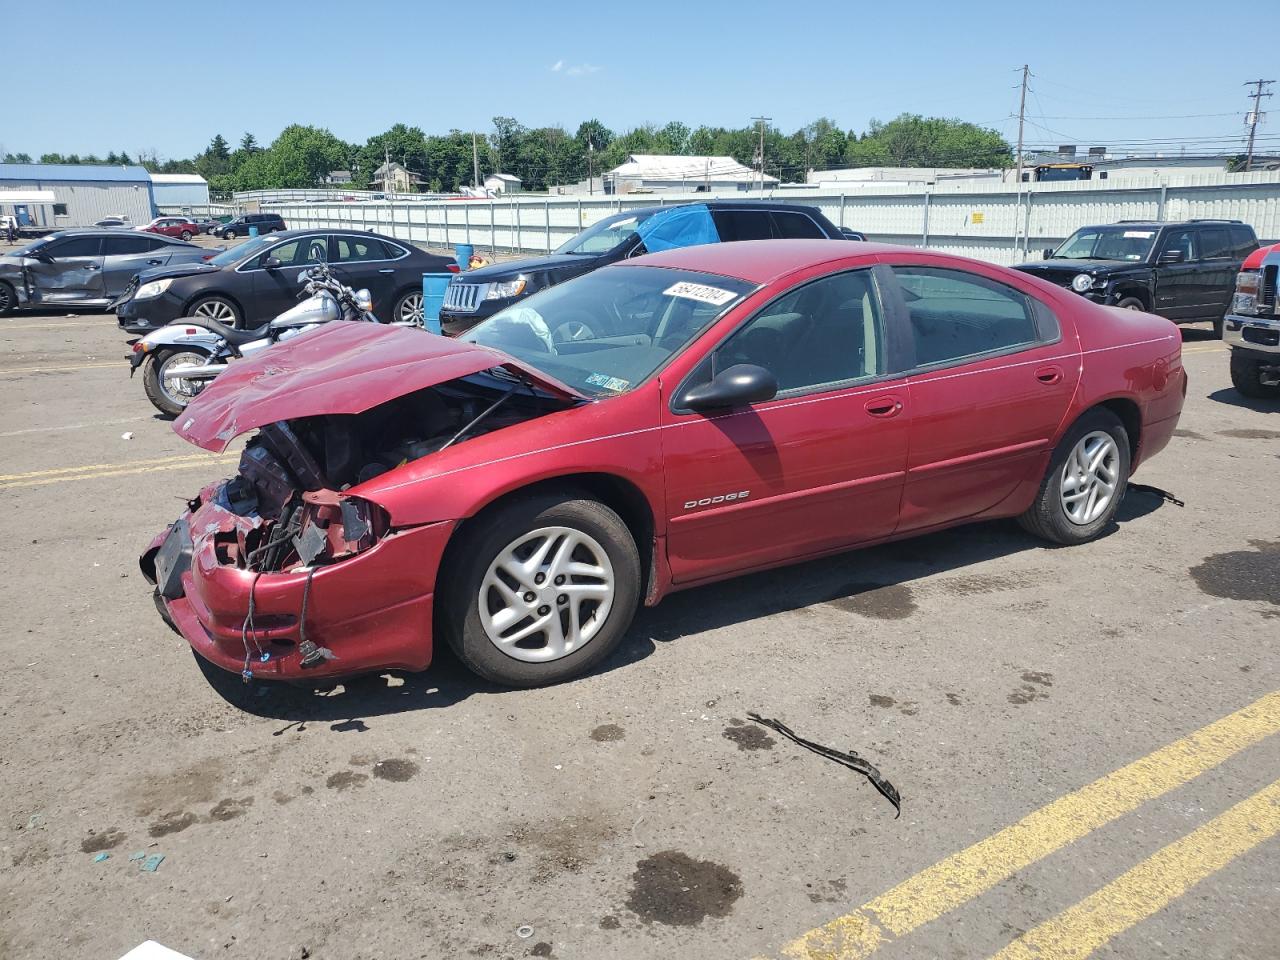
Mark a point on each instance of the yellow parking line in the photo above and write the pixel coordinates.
(1153, 884)
(963, 876)
(18, 371)
(105, 324)
(1213, 349)
(40, 478)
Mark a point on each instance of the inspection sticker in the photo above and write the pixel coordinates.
(699, 291)
(606, 382)
(1140, 234)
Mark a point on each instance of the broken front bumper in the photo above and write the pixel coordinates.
(371, 611)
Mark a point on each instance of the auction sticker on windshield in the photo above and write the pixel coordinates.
(1140, 234)
(606, 382)
(700, 292)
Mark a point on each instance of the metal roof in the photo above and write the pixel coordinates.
(73, 171)
(177, 178)
(650, 166)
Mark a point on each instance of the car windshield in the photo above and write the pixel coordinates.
(606, 332)
(242, 250)
(1120, 242)
(605, 235)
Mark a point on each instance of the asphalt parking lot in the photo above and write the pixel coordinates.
(1084, 739)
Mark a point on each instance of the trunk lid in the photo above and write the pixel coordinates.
(342, 367)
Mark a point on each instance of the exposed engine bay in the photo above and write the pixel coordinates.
(292, 473)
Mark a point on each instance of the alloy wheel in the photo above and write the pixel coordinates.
(178, 389)
(546, 594)
(218, 310)
(1090, 477)
(6, 301)
(410, 309)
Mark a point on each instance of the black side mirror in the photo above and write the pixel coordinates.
(1047, 253)
(1172, 256)
(43, 255)
(739, 385)
(270, 263)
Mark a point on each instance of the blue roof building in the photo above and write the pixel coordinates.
(83, 193)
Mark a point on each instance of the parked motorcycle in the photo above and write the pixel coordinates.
(179, 360)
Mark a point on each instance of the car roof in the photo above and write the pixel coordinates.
(759, 261)
(1155, 224)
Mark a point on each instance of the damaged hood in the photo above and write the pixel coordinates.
(341, 368)
(176, 270)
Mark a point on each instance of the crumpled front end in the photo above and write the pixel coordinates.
(314, 587)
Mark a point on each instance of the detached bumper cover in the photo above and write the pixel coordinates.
(373, 611)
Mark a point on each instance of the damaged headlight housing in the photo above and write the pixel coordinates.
(1081, 282)
(334, 527)
(506, 289)
(152, 289)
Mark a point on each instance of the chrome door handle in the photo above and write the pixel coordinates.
(388, 270)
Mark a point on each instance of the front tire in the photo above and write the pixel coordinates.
(8, 299)
(541, 591)
(1246, 377)
(217, 308)
(1131, 303)
(1085, 482)
(229, 235)
(169, 396)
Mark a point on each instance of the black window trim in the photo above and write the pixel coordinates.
(52, 247)
(1042, 316)
(887, 340)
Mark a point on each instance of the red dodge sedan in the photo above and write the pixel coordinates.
(716, 410)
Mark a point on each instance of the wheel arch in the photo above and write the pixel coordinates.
(1130, 416)
(616, 492)
(1133, 288)
(195, 298)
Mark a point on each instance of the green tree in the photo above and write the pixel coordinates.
(249, 143)
(17, 158)
(911, 140)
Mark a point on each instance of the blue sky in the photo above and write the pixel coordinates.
(96, 76)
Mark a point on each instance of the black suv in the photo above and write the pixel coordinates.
(239, 227)
(1185, 272)
(478, 294)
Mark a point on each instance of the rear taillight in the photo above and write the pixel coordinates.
(454, 268)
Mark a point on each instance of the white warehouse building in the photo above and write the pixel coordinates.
(82, 193)
(173, 191)
(656, 173)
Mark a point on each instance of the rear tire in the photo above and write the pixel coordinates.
(606, 546)
(1218, 324)
(8, 299)
(162, 397)
(1048, 516)
(1246, 377)
(186, 235)
(408, 308)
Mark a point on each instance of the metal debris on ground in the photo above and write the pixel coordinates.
(1164, 495)
(524, 932)
(849, 759)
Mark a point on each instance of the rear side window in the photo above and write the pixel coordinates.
(76, 247)
(796, 226)
(355, 249)
(1215, 244)
(1243, 242)
(733, 225)
(125, 246)
(956, 316)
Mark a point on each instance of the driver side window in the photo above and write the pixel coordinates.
(826, 332)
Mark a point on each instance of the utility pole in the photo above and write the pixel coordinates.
(591, 176)
(762, 121)
(475, 162)
(1022, 115)
(1253, 118)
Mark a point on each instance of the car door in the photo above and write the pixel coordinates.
(796, 225)
(1218, 271)
(276, 286)
(72, 272)
(992, 378)
(1179, 289)
(817, 468)
(362, 262)
(125, 255)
